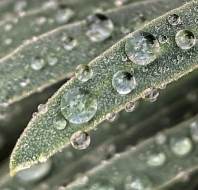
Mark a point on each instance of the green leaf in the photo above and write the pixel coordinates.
(157, 163)
(49, 47)
(41, 140)
(42, 20)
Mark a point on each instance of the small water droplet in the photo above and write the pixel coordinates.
(162, 39)
(174, 19)
(80, 140)
(42, 108)
(160, 139)
(24, 82)
(35, 173)
(78, 106)
(8, 27)
(157, 159)
(151, 94)
(69, 43)
(185, 39)
(41, 20)
(194, 131)
(142, 48)
(64, 15)
(120, 3)
(111, 116)
(138, 183)
(8, 41)
(181, 146)
(52, 60)
(131, 106)
(84, 73)
(20, 6)
(100, 27)
(37, 63)
(123, 82)
(59, 122)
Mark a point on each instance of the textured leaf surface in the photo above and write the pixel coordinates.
(41, 139)
(22, 82)
(107, 140)
(42, 20)
(135, 164)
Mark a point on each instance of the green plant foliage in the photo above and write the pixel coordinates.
(169, 52)
(54, 55)
(155, 163)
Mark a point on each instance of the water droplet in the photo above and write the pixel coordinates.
(138, 183)
(37, 63)
(64, 15)
(123, 82)
(111, 116)
(142, 48)
(24, 82)
(98, 186)
(100, 27)
(8, 27)
(80, 140)
(181, 146)
(151, 94)
(78, 106)
(131, 106)
(20, 6)
(41, 20)
(69, 43)
(52, 60)
(59, 122)
(160, 138)
(8, 41)
(194, 131)
(174, 19)
(120, 3)
(84, 73)
(42, 108)
(162, 39)
(35, 173)
(185, 39)
(156, 160)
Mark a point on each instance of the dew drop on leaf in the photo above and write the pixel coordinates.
(185, 39)
(83, 73)
(64, 15)
(69, 43)
(37, 63)
(59, 122)
(78, 106)
(142, 48)
(111, 116)
(123, 82)
(80, 140)
(130, 106)
(35, 173)
(157, 159)
(194, 131)
(100, 27)
(174, 19)
(181, 146)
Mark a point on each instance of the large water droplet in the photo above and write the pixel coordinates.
(181, 146)
(185, 39)
(138, 183)
(78, 106)
(142, 48)
(174, 19)
(123, 82)
(84, 73)
(100, 27)
(59, 122)
(37, 63)
(64, 15)
(194, 131)
(35, 173)
(157, 159)
(80, 140)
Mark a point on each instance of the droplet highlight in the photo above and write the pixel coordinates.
(83, 73)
